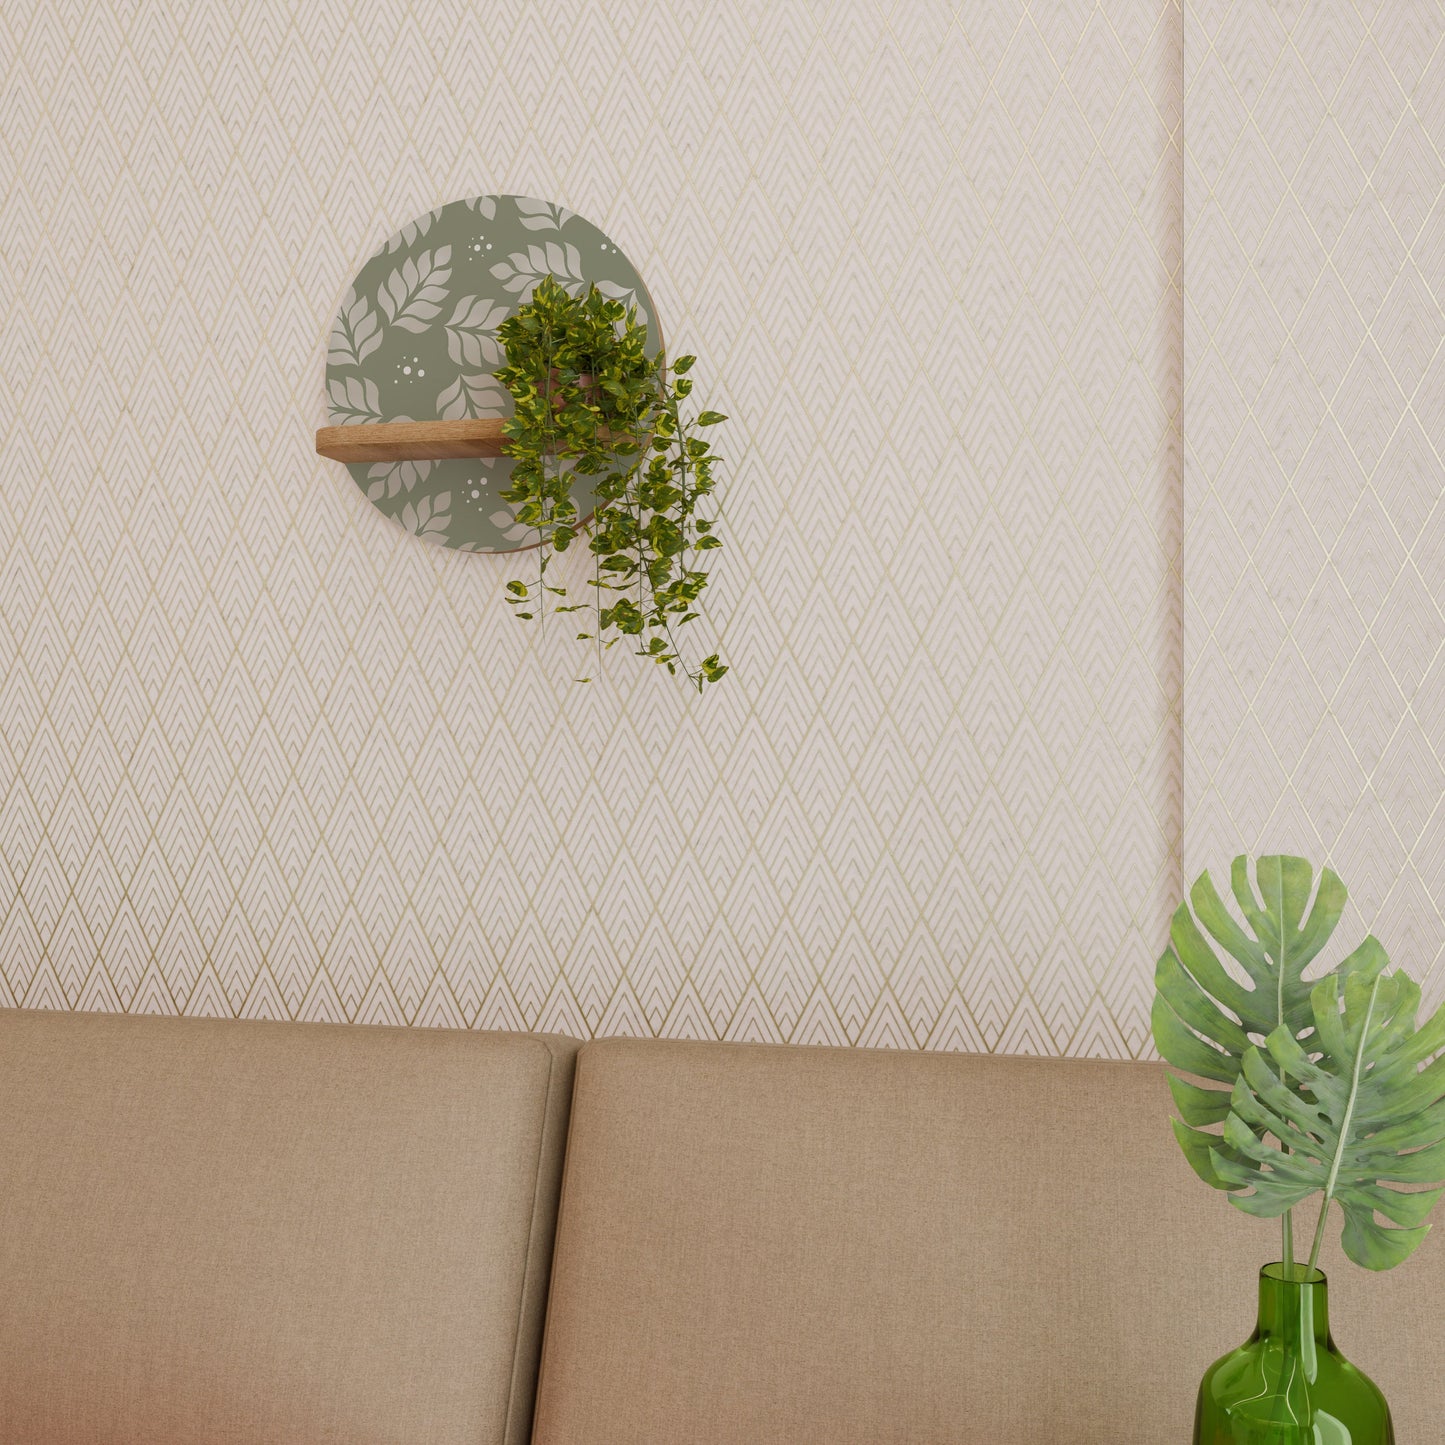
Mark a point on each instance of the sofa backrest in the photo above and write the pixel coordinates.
(817, 1245)
(240, 1232)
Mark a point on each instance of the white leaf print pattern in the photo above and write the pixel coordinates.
(484, 206)
(468, 396)
(412, 232)
(355, 334)
(413, 294)
(521, 271)
(510, 528)
(429, 517)
(541, 215)
(354, 401)
(388, 479)
(472, 332)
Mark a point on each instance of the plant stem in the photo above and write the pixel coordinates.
(682, 481)
(1287, 1219)
(1319, 1231)
(550, 446)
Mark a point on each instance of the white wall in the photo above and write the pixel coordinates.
(1314, 716)
(260, 753)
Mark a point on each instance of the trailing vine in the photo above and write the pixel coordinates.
(590, 402)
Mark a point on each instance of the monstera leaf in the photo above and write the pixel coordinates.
(1206, 1019)
(1353, 1109)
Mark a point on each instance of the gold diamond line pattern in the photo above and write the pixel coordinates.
(1314, 199)
(263, 754)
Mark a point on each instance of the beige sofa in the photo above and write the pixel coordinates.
(232, 1232)
(223, 1233)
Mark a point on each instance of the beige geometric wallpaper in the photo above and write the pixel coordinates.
(1314, 702)
(263, 754)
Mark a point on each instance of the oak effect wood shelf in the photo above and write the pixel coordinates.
(421, 441)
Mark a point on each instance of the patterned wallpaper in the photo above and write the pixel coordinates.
(1314, 714)
(261, 753)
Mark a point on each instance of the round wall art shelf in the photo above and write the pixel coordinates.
(416, 409)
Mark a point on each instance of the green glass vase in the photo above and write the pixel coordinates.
(1287, 1384)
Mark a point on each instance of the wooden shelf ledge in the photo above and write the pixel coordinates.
(421, 441)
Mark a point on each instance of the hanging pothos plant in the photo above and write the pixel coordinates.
(590, 402)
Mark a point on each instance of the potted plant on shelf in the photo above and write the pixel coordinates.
(1301, 1090)
(591, 402)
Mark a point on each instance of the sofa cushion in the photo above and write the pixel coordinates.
(818, 1245)
(240, 1232)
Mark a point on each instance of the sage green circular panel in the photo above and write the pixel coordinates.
(416, 340)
